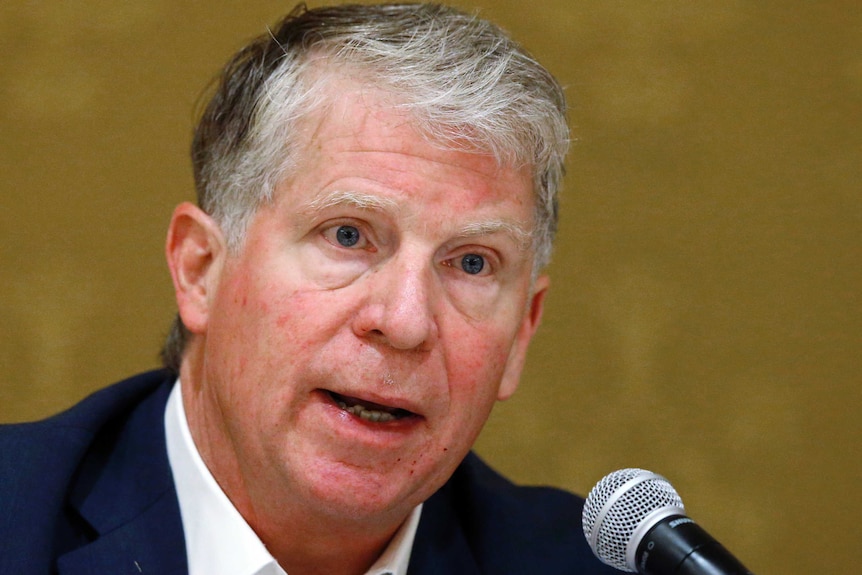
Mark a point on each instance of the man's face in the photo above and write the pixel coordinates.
(389, 276)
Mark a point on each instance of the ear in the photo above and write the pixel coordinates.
(195, 251)
(518, 354)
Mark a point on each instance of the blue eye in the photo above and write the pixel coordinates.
(472, 263)
(347, 236)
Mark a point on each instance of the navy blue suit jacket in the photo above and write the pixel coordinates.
(90, 491)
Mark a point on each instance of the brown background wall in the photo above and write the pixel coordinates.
(705, 314)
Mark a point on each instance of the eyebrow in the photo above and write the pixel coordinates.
(522, 237)
(349, 198)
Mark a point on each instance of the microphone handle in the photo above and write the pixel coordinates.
(677, 545)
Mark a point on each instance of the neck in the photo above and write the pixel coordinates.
(324, 553)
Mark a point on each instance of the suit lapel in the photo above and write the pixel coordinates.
(125, 493)
(152, 543)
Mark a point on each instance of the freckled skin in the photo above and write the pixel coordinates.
(294, 313)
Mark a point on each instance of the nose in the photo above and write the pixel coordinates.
(398, 306)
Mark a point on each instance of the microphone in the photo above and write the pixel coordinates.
(634, 520)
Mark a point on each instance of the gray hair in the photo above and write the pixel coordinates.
(462, 79)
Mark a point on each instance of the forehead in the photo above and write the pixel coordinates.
(356, 126)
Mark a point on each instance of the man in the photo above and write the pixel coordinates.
(358, 286)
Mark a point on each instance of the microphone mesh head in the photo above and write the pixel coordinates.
(617, 505)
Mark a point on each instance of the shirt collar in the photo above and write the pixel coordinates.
(218, 539)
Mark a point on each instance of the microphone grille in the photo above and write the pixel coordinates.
(617, 505)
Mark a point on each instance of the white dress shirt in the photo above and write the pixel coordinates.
(218, 539)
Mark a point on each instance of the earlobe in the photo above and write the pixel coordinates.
(518, 354)
(195, 249)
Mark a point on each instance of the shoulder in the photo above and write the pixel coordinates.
(46, 464)
(39, 457)
(49, 467)
(507, 506)
(519, 529)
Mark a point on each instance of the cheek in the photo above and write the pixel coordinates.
(474, 375)
(476, 368)
(243, 331)
(305, 319)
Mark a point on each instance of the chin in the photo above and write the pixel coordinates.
(361, 493)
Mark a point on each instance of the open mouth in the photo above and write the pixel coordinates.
(367, 410)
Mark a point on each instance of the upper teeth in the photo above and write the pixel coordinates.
(367, 414)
